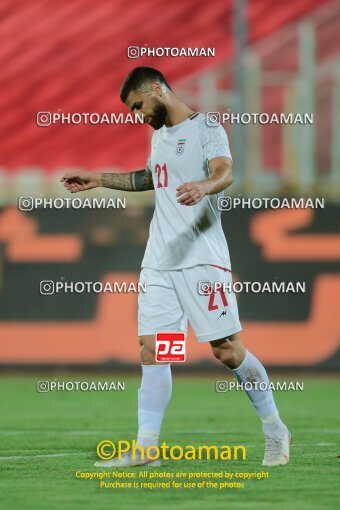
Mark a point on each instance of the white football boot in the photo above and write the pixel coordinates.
(126, 460)
(276, 452)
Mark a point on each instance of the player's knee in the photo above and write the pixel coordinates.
(229, 353)
(147, 356)
(226, 355)
(147, 351)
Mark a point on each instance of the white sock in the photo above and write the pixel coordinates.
(153, 398)
(251, 370)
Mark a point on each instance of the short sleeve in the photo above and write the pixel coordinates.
(214, 141)
(148, 163)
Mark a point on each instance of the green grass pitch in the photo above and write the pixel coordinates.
(35, 428)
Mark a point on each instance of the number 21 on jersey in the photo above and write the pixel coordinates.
(162, 175)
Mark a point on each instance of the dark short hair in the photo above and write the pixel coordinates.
(138, 77)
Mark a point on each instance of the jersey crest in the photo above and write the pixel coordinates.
(180, 146)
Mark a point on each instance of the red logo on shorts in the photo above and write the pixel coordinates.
(170, 347)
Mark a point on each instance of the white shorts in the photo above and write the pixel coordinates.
(174, 297)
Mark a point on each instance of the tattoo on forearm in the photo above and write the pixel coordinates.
(120, 181)
(141, 180)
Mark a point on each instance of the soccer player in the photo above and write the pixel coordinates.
(189, 167)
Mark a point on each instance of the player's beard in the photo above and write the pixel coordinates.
(158, 116)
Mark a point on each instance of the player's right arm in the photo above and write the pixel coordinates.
(81, 180)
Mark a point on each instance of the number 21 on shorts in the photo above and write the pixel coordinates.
(212, 305)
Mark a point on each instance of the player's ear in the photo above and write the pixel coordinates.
(156, 87)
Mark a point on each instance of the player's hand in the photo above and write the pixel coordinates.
(190, 193)
(80, 180)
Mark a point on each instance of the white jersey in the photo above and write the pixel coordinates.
(184, 236)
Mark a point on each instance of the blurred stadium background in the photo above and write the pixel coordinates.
(71, 56)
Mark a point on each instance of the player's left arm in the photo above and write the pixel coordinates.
(221, 176)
